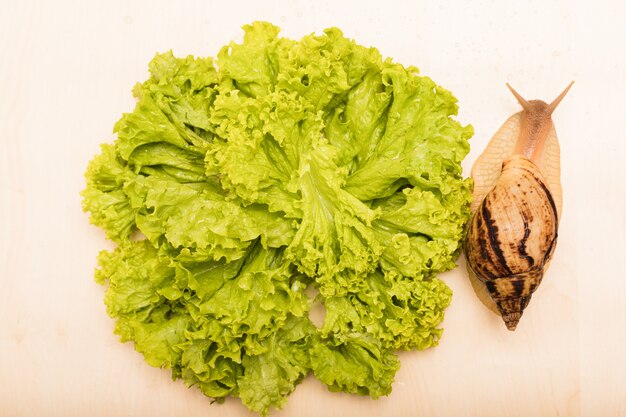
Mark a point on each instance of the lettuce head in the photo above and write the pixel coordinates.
(240, 186)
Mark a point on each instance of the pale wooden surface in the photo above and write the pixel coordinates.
(66, 70)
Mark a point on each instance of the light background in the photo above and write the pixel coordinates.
(66, 71)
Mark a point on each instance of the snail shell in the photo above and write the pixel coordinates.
(514, 226)
(512, 236)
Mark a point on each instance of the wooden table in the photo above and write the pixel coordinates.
(66, 71)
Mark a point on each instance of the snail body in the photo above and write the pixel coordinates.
(513, 230)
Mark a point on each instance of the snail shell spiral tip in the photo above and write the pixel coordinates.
(511, 310)
(511, 320)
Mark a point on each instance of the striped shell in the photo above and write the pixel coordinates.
(512, 237)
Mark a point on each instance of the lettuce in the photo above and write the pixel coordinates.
(236, 188)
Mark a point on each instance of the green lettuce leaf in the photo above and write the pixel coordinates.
(235, 190)
(104, 196)
(274, 373)
(355, 363)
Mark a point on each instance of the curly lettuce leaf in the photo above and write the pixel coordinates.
(234, 187)
(400, 312)
(104, 196)
(273, 374)
(356, 363)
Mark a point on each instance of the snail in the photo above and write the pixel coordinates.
(517, 203)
